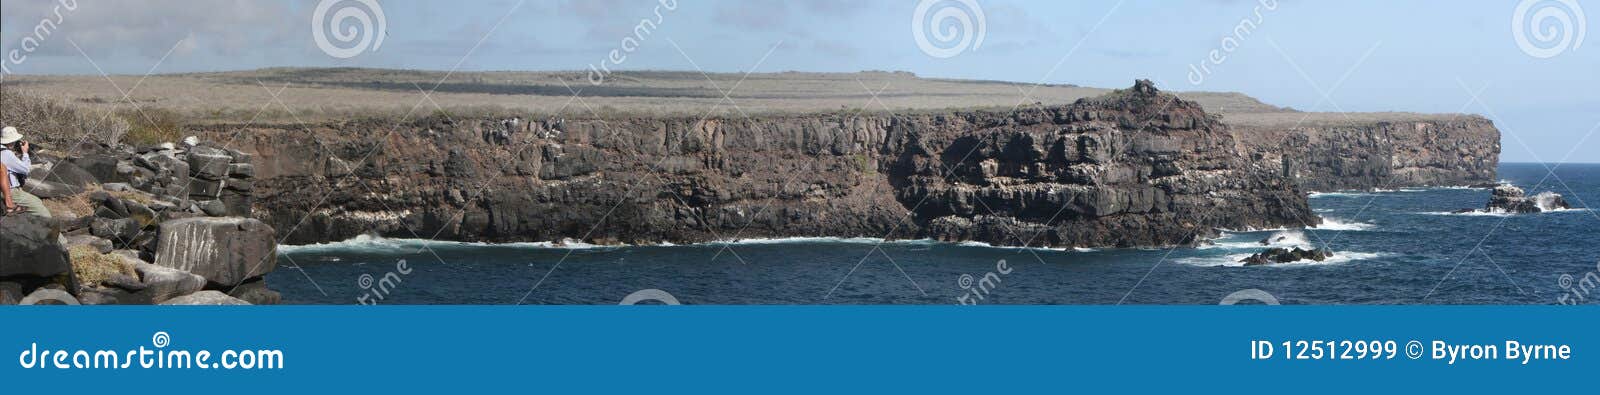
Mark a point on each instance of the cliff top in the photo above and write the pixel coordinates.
(315, 95)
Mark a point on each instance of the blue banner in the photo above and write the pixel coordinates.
(799, 349)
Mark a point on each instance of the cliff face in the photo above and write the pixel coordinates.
(1358, 155)
(1131, 168)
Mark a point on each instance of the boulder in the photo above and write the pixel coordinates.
(226, 251)
(100, 245)
(256, 292)
(121, 232)
(1282, 255)
(209, 163)
(242, 170)
(50, 189)
(68, 174)
(162, 283)
(214, 208)
(205, 189)
(10, 293)
(31, 246)
(49, 296)
(103, 167)
(206, 298)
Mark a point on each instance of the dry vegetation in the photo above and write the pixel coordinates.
(91, 267)
(292, 96)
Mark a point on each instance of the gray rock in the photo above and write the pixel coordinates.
(205, 298)
(256, 292)
(101, 296)
(205, 189)
(214, 208)
(163, 283)
(10, 293)
(338, 168)
(100, 245)
(226, 251)
(242, 170)
(49, 189)
(49, 296)
(116, 187)
(124, 282)
(66, 173)
(209, 163)
(31, 246)
(121, 232)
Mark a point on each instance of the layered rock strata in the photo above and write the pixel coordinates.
(1135, 167)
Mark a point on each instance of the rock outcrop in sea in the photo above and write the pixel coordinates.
(1507, 198)
(157, 225)
(1284, 255)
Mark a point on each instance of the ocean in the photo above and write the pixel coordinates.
(1391, 247)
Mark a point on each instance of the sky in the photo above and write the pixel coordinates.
(1420, 56)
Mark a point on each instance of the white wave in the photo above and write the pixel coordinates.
(817, 240)
(1314, 195)
(1057, 249)
(1284, 239)
(371, 243)
(1501, 213)
(1473, 213)
(1331, 223)
(1233, 260)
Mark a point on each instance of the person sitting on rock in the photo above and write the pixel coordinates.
(17, 164)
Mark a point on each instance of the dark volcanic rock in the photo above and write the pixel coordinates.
(1137, 167)
(226, 251)
(1283, 255)
(1507, 198)
(1364, 155)
(31, 246)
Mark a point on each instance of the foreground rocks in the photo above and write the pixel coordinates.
(226, 251)
(1284, 255)
(157, 230)
(31, 247)
(206, 298)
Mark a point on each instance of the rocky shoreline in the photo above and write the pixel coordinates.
(199, 223)
(157, 225)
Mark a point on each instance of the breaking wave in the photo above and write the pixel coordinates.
(1233, 260)
(1331, 223)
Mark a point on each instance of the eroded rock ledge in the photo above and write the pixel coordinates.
(1135, 167)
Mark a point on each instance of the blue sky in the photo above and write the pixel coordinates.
(1423, 56)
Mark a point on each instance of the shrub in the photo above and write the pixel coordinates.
(57, 124)
(150, 126)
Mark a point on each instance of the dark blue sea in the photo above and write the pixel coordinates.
(1392, 247)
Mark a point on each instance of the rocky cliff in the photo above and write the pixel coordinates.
(1398, 150)
(1135, 167)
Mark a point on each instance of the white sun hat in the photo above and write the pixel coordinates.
(9, 135)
